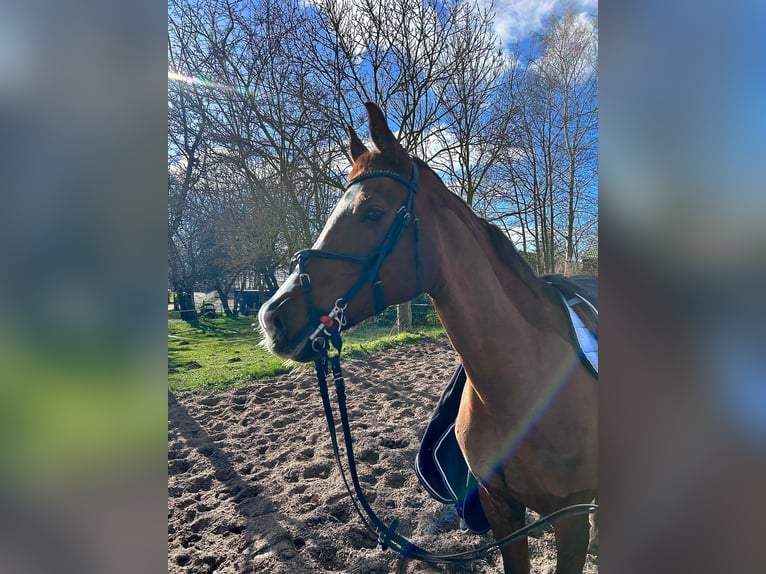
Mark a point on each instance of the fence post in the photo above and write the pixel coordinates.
(404, 317)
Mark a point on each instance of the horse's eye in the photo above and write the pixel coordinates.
(373, 214)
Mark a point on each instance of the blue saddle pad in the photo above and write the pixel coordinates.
(440, 465)
(579, 297)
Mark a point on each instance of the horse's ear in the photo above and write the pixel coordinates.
(382, 136)
(357, 147)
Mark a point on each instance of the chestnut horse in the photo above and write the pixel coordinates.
(527, 423)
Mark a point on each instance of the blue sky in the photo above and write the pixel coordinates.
(516, 20)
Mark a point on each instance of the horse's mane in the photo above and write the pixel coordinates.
(501, 243)
(508, 254)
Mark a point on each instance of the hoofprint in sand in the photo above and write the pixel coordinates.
(253, 485)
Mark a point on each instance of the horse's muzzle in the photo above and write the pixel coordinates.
(274, 325)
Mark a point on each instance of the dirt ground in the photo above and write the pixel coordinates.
(253, 485)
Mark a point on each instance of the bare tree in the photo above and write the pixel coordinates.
(569, 64)
(266, 132)
(475, 123)
(187, 159)
(553, 167)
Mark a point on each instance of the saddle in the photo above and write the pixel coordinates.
(440, 465)
(579, 295)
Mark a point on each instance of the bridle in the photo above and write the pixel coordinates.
(327, 327)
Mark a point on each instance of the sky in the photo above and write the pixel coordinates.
(516, 20)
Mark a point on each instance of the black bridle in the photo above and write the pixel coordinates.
(327, 327)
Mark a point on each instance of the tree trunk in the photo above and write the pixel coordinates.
(224, 297)
(237, 300)
(185, 300)
(223, 288)
(404, 317)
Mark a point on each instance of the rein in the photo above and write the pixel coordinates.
(326, 331)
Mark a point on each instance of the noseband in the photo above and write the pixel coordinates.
(328, 326)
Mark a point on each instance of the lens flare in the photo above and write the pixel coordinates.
(176, 77)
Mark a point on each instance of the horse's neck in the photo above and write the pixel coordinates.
(500, 328)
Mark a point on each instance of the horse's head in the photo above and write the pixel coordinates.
(366, 258)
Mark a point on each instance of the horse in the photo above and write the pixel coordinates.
(527, 422)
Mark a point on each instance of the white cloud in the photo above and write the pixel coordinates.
(517, 19)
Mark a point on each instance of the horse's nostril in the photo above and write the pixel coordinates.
(277, 323)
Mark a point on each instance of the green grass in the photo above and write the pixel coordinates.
(368, 340)
(216, 344)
